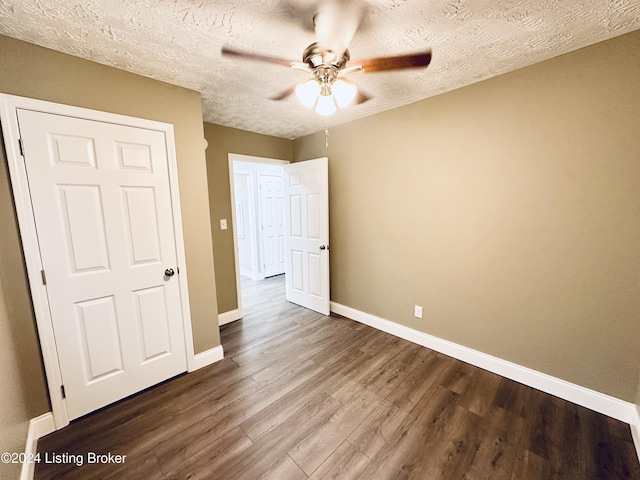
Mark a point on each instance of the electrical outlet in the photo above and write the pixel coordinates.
(223, 224)
(417, 312)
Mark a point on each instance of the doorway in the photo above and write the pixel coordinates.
(259, 210)
(305, 192)
(258, 222)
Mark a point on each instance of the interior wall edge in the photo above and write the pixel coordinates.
(223, 141)
(206, 358)
(228, 317)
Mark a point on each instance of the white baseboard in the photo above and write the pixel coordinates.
(207, 357)
(228, 317)
(599, 402)
(38, 428)
(253, 275)
(635, 431)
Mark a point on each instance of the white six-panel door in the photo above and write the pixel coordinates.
(272, 223)
(307, 234)
(103, 214)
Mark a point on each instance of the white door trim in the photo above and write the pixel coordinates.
(9, 104)
(242, 158)
(252, 234)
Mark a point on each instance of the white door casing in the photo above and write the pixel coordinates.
(272, 223)
(104, 214)
(307, 234)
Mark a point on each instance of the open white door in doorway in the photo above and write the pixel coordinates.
(106, 243)
(306, 187)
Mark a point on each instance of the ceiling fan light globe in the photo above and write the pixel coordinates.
(344, 93)
(326, 106)
(308, 93)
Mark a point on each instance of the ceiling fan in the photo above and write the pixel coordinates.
(328, 61)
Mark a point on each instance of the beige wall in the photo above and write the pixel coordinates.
(36, 72)
(508, 209)
(638, 399)
(222, 141)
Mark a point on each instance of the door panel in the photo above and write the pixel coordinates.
(102, 208)
(307, 234)
(134, 156)
(295, 216)
(153, 323)
(140, 212)
(83, 223)
(315, 275)
(313, 216)
(72, 150)
(296, 279)
(272, 223)
(99, 338)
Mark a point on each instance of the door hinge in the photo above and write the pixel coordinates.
(64, 394)
(21, 143)
(44, 277)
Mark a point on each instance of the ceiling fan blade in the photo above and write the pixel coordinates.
(361, 97)
(282, 95)
(398, 62)
(336, 22)
(256, 56)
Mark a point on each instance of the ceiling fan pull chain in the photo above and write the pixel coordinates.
(326, 132)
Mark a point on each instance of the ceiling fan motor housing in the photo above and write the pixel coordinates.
(315, 57)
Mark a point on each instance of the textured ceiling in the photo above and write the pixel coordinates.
(179, 41)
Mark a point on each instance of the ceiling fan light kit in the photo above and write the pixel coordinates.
(326, 106)
(308, 93)
(344, 92)
(326, 89)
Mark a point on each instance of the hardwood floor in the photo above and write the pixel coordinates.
(300, 395)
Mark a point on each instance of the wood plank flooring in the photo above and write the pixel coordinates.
(303, 396)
